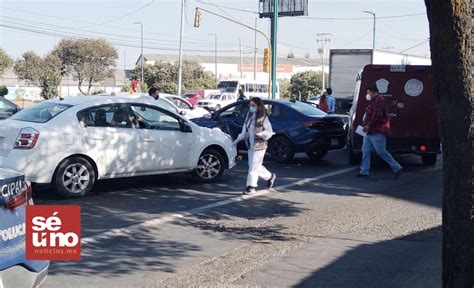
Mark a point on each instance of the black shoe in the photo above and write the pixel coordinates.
(249, 190)
(362, 175)
(397, 174)
(271, 181)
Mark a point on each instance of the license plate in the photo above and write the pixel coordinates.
(334, 142)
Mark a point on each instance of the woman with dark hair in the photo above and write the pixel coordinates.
(323, 102)
(256, 132)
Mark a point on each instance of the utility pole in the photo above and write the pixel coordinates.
(241, 59)
(323, 39)
(180, 61)
(255, 52)
(274, 23)
(215, 56)
(141, 45)
(373, 33)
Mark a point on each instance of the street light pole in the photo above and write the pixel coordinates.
(323, 38)
(373, 34)
(180, 61)
(141, 45)
(215, 55)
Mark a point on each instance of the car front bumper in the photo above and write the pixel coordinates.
(18, 277)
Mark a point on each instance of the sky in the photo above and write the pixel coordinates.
(40, 25)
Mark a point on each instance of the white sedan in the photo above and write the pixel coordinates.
(217, 101)
(73, 142)
(185, 108)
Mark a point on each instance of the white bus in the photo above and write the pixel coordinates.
(252, 88)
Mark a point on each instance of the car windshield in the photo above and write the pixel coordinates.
(6, 106)
(167, 105)
(41, 113)
(306, 109)
(228, 86)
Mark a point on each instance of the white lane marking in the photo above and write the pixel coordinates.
(171, 217)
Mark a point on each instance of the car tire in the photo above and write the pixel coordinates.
(281, 149)
(354, 157)
(206, 170)
(317, 154)
(74, 178)
(429, 159)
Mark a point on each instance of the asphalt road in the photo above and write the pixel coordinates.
(320, 227)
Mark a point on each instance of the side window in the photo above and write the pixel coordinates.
(274, 111)
(5, 106)
(151, 118)
(236, 111)
(224, 98)
(114, 115)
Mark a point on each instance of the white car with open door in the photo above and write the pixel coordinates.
(184, 107)
(73, 142)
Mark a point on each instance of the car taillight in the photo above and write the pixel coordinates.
(313, 124)
(423, 148)
(24, 197)
(27, 139)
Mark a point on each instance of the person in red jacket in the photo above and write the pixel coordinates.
(135, 85)
(377, 126)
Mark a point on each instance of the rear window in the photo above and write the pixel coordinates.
(41, 113)
(306, 109)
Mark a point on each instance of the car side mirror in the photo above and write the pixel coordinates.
(182, 112)
(186, 127)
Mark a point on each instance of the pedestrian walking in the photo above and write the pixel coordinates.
(323, 103)
(377, 126)
(241, 95)
(331, 101)
(256, 132)
(135, 85)
(153, 92)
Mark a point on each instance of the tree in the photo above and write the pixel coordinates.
(307, 83)
(5, 61)
(42, 72)
(89, 60)
(450, 41)
(195, 78)
(284, 88)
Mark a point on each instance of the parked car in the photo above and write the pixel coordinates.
(184, 106)
(73, 142)
(298, 127)
(7, 108)
(193, 98)
(15, 270)
(413, 116)
(217, 101)
(166, 101)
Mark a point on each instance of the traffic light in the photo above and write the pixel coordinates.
(197, 18)
(266, 60)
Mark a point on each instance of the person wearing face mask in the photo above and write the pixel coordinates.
(256, 132)
(377, 126)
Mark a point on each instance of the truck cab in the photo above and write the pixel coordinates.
(412, 111)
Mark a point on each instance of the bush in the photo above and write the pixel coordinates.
(3, 90)
(125, 88)
(97, 91)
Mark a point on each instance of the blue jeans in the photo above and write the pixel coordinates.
(377, 142)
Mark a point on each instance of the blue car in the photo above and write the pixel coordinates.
(299, 127)
(15, 270)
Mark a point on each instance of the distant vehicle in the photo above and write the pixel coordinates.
(82, 139)
(193, 98)
(7, 108)
(314, 99)
(413, 117)
(184, 106)
(252, 88)
(15, 270)
(299, 127)
(217, 101)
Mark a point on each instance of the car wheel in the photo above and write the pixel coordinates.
(210, 166)
(429, 159)
(317, 154)
(74, 178)
(281, 149)
(218, 107)
(354, 157)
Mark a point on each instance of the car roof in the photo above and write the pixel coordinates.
(79, 100)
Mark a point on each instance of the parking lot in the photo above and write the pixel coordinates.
(318, 222)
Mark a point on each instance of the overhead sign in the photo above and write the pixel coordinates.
(285, 8)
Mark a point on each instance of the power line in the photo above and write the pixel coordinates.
(417, 45)
(227, 7)
(360, 18)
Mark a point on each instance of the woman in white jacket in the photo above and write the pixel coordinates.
(256, 132)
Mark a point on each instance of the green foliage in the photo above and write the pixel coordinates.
(307, 83)
(97, 91)
(41, 72)
(5, 61)
(89, 60)
(285, 92)
(125, 88)
(3, 90)
(163, 76)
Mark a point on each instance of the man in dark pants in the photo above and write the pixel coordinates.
(377, 126)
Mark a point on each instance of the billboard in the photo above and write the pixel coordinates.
(285, 8)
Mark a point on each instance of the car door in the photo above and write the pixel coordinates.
(232, 119)
(165, 146)
(111, 137)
